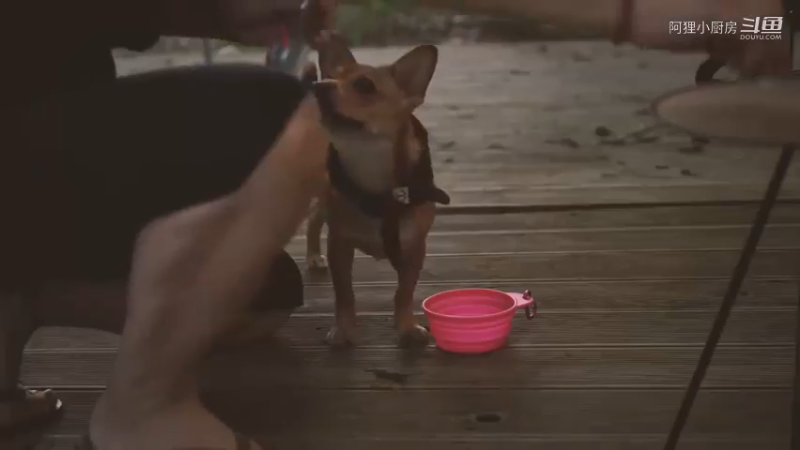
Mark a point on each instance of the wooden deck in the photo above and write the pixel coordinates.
(626, 300)
(627, 297)
(517, 124)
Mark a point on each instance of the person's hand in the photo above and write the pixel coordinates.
(319, 21)
(253, 22)
(749, 57)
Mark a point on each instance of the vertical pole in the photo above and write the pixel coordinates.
(790, 9)
(795, 445)
(739, 273)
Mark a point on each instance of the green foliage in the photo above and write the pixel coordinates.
(369, 17)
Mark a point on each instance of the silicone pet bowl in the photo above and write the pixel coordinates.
(474, 320)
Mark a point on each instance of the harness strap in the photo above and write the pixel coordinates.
(390, 225)
(413, 183)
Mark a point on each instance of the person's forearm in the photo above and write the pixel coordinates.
(267, 210)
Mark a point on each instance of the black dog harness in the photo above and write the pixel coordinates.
(413, 187)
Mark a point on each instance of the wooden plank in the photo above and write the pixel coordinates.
(644, 217)
(576, 295)
(589, 328)
(618, 239)
(466, 441)
(514, 368)
(565, 443)
(580, 266)
(592, 328)
(487, 191)
(282, 413)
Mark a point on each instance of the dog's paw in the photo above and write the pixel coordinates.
(413, 337)
(339, 337)
(316, 262)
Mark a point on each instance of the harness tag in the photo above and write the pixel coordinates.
(401, 195)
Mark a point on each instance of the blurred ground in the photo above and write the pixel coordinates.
(539, 123)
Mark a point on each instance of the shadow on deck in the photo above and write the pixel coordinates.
(626, 301)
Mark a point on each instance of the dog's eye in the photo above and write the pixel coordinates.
(364, 86)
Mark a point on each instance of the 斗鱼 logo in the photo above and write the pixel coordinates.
(762, 25)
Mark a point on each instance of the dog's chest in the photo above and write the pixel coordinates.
(364, 232)
(369, 161)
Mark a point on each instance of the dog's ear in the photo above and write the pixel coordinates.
(413, 72)
(334, 56)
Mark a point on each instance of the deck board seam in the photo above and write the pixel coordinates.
(473, 282)
(761, 250)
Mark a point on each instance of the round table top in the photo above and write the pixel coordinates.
(758, 111)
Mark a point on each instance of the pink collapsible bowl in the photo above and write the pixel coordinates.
(474, 320)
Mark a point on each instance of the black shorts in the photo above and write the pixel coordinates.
(94, 166)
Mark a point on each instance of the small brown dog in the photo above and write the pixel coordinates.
(382, 197)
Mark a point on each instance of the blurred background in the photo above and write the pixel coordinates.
(524, 112)
(377, 23)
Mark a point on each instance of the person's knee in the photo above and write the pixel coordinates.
(281, 295)
(283, 289)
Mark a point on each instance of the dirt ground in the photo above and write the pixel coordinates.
(539, 123)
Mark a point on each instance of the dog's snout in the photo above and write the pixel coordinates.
(327, 98)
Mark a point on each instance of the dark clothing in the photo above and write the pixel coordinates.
(87, 160)
(57, 46)
(97, 164)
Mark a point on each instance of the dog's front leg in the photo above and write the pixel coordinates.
(340, 262)
(409, 332)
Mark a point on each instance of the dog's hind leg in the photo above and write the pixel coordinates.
(315, 260)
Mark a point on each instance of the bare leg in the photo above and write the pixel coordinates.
(181, 299)
(341, 255)
(103, 306)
